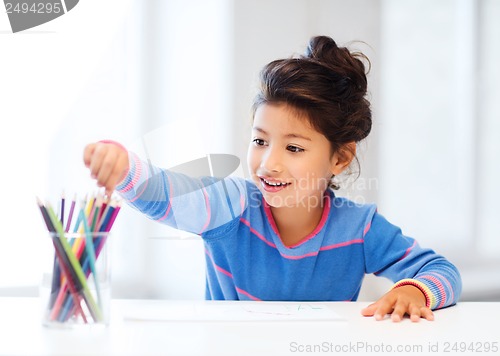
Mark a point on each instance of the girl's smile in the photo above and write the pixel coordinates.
(272, 185)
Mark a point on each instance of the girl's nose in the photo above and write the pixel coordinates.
(272, 161)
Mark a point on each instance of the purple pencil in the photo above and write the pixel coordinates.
(71, 210)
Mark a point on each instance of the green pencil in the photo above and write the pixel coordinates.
(89, 246)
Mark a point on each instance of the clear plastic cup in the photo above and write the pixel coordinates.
(76, 285)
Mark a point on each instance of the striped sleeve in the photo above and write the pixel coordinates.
(400, 258)
(196, 205)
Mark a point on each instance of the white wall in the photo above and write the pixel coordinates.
(439, 148)
(488, 150)
(60, 85)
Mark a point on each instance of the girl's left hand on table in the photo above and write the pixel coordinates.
(398, 302)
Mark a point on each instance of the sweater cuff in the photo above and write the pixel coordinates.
(430, 299)
(131, 178)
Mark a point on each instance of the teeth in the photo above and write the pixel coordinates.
(275, 184)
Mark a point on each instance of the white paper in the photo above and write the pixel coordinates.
(234, 311)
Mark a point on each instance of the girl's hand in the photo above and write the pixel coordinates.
(400, 301)
(108, 163)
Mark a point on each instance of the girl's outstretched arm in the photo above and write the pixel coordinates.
(193, 204)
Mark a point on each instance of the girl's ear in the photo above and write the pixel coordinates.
(343, 158)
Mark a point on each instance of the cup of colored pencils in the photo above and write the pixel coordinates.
(80, 277)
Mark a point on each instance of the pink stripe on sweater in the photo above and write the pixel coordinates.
(439, 286)
(242, 202)
(290, 257)
(269, 215)
(247, 294)
(367, 228)
(442, 278)
(342, 244)
(408, 250)
(324, 248)
(317, 229)
(227, 273)
(310, 254)
(256, 233)
(220, 269)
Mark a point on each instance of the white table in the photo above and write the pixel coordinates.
(465, 325)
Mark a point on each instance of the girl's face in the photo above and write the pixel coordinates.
(289, 161)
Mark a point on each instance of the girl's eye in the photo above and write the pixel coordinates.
(258, 142)
(294, 149)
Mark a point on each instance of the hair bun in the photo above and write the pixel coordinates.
(321, 48)
(339, 60)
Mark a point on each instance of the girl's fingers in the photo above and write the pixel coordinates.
(96, 161)
(399, 302)
(414, 312)
(105, 162)
(383, 309)
(398, 312)
(114, 167)
(111, 184)
(427, 313)
(369, 310)
(87, 154)
(116, 176)
(120, 170)
(380, 308)
(106, 168)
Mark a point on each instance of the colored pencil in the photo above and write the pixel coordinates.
(71, 210)
(62, 209)
(89, 248)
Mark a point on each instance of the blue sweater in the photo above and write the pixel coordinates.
(246, 259)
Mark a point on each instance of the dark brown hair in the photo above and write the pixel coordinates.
(328, 85)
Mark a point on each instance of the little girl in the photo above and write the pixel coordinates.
(284, 235)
